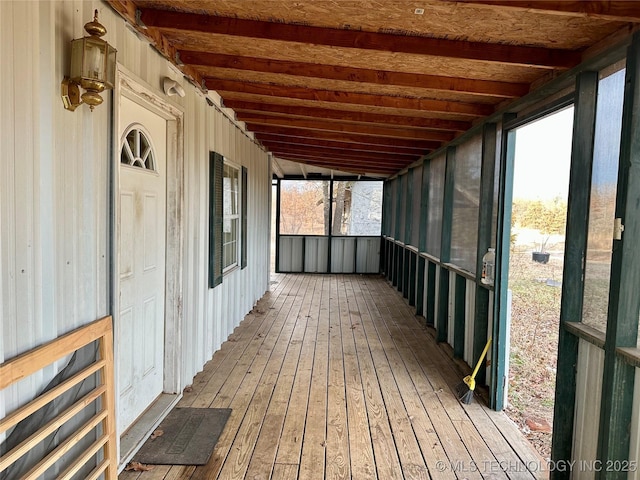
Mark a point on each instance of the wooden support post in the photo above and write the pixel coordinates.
(445, 246)
(406, 267)
(459, 318)
(408, 204)
(575, 251)
(278, 199)
(420, 286)
(430, 313)
(485, 222)
(503, 242)
(413, 260)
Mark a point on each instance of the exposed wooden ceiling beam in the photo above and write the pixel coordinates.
(354, 169)
(409, 103)
(127, 9)
(333, 126)
(509, 54)
(335, 153)
(344, 137)
(363, 117)
(361, 75)
(343, 164)
(266, 138)
(617, 11)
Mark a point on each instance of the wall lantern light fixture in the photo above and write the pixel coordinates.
(93, 67)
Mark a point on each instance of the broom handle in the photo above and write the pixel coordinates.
(484, 352)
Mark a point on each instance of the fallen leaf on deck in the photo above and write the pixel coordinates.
(156, 434)
(138, 467)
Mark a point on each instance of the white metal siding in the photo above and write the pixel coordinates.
(634, 450)
(588, 387)
(54, 192)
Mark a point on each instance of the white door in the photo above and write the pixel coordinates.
(141, 247)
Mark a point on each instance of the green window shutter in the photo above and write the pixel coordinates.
(216, 163)
(245, 196)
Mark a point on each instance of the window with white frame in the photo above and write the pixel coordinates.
(231, 217)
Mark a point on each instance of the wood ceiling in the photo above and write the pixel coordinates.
(368, 87)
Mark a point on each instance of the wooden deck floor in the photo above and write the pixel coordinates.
(333, 377)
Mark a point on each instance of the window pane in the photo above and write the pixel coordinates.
(604, 179)
(436, 199)
(230, 224)
(466, 198)
(357, 208)
(304, 206)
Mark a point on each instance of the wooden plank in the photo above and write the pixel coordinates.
(264, 454)
(108, 379)
(40, 401)
(312, 459)
(386, 307)
(405, 132)
(338, 145)
(484, 459)
(341, 163)
(351, 74)
(376, 158)
(242, 449)
(284, 471)
(387, 462)
(220, 369)
(26, 445)
(471, 110)
(508, 54)
(338, 458)
(30, 362)
(345, 137)
(240, 386)
(242, 107)
(290, 446)
(616, 11)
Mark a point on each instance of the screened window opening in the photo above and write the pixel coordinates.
(357, 208)
(307, 207)
(231, 216)
(137, 150)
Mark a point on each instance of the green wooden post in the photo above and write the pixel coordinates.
(503, 238)
(445, 247)
(422, 237)
(485, 221)
(278, 226)
(408, 199)
(624, 301)
(413, 260)
(397, 271)
(575, 250)
(430, 314)
(420, 286)
(459, 318)
(406, 266)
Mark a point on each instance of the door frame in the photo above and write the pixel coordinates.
(130, 86)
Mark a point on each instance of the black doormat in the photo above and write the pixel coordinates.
(188, 436)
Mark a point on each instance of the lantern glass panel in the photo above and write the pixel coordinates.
(111, 67)
(77, 51)
(95, 56)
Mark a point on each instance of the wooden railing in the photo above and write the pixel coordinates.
(34, 360)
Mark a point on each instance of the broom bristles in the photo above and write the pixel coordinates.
(464, 393)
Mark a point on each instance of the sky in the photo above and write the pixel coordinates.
(543, 156)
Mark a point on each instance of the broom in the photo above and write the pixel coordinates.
(464, 390)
